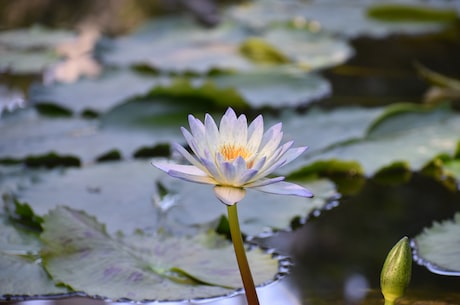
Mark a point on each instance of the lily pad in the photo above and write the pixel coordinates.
(276, 90)
(412, 137)
(438, 247)
(35, 37)
(259, 212)
(26, 134)
(25, 276)
(347, 18)
(24, 62)
(306, 49)
(414, 13)
(180, 44)
(95, 94)
(80, 254)
(103, 188)
(22, 273)
(324, 129)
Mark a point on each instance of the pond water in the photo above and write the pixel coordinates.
(337, 251)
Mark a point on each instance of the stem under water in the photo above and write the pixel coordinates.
(240, 252)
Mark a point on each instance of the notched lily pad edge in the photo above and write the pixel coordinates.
(432, 267)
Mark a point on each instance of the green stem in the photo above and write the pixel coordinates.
(387, 302)
(238, 245)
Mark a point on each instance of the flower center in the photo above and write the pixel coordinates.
(230, 152)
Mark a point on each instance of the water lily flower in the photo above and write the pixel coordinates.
(234, 157)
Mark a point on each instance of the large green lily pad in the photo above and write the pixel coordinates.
(95, 94)
(346, 18)
(438, 247)
(409, 135)
(26, 134)
(22, 272)
(36, 37)
(79, 253)
(33, 50)
(131, 195)
(24, 62)
(180, 45)
(273, 88)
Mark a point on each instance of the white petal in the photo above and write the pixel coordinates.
(180, 149)
(271, 140)
(192, 142)
(255, 133)
(229, 195)
(227, 124)
(185, 172)
(240, 131)
(212, 133)
(285, 188)
(294, 153)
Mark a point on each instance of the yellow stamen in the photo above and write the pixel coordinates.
(230, 152)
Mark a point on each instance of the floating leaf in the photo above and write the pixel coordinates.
(438, 247)
(348, 18)
(35, 37)
(411, 137)
(259, 212)
(26, 134)
(22, 274)
(413, 13)
(308, 50)
(100, 189)
(95, 94)
(322, 129)
(274, 89)
(80, 254)
(27, 62)
(180, 44)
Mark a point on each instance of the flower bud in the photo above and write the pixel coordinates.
(396, 271)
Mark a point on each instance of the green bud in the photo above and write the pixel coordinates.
(396, 271)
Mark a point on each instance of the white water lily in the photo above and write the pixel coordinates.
(234, 157)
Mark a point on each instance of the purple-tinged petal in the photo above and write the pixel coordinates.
(246, 176)
(228, 172)
(285, 188)
(260, 163)
(196, 127)
(192, 178)
(229, 195)
(191, 141)
(264, 181)
(241, 168)
(213, 170)
(294, 153)
(181, 150)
